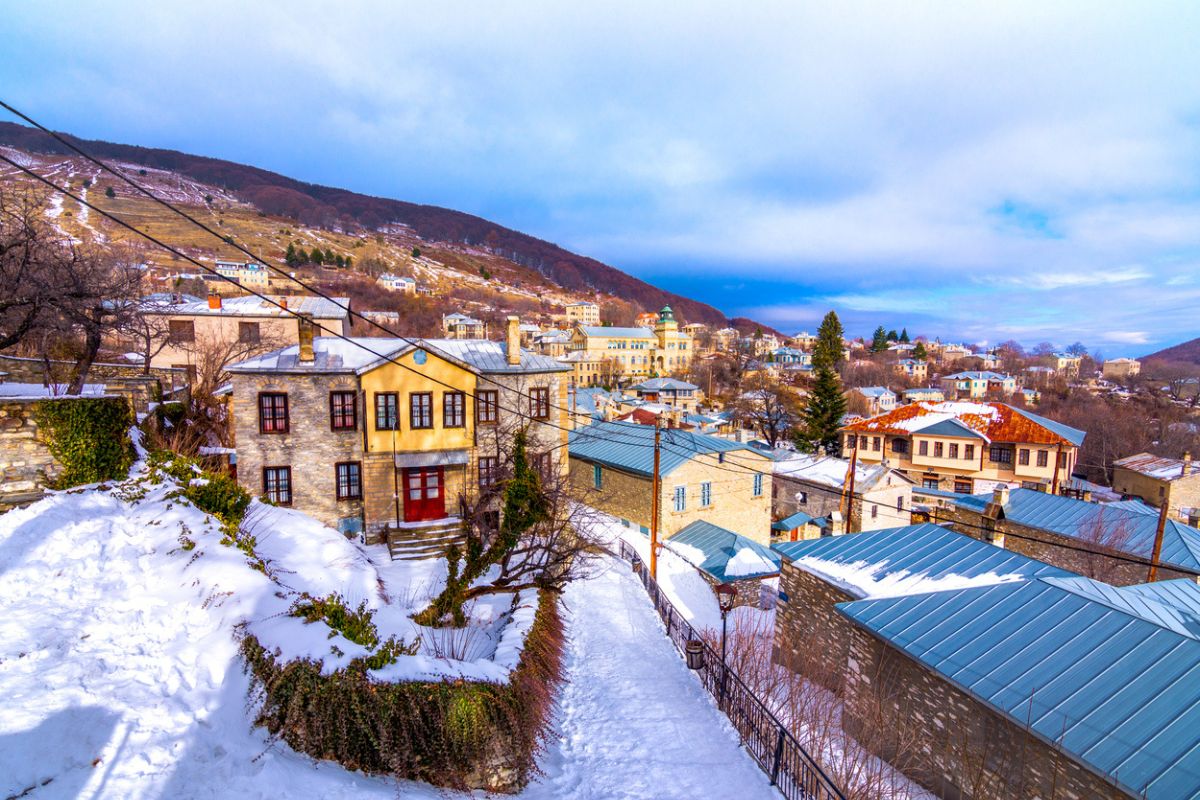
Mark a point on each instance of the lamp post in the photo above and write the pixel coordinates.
(726, 597)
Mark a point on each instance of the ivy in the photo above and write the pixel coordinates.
(89, 436)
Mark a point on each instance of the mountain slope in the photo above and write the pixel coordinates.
(327, 206)
(1185, 352)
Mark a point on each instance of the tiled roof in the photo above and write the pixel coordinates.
(1109, 676)
(356, 354)
(717, 546)
(998, 422)
(630, 447)
(252, 306)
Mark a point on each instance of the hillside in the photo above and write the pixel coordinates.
(343, 212)
(1184, 353)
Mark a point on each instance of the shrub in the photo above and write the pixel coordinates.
(220, 496)
(89, 436)
(110, 193)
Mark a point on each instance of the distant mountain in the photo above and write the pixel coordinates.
(1187, 352)
(326, 206)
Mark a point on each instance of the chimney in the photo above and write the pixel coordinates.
(305, 327)
(1000, 494)
(214, 301)
(1187, 465)
(283, 303)
(513, 340)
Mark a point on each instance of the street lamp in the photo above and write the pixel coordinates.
(726, 597)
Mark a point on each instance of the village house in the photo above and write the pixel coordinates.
(923, 394)
(701, 478)
(723, 557)
(694, 329)
(968, 447)
(582, 314)
(553, 343)
(725, 340)
(1058, 687)
(912, 368)
(397, 283)
(637, 352)
(460, 326)
(249, 274)
(816, 485)
(193, 327)
(675, 393)
(588, 369)
(803, 340)
(1065, 364)
(1109, 541)
(1174, 482)
(646, 319)
(978, 385)
(791, 355)
(1121, 369)
(879, 399)
(384, 436)
(949, 353)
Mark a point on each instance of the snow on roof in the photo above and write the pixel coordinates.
(252, 306)
(995, 421)
(1159, 467)
(975, 375)
(613, 332)
(23, 391)
(668, 384)
(875, 391)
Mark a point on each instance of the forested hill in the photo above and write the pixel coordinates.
(1186, 352)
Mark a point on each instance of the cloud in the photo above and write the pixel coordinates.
(1127, 337)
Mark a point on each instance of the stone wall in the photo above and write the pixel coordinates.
(33, 370)
(26, 465)
(948, 741)
(1180, 494)
(810, 634)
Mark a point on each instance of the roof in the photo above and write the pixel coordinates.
(630, 447)
(461, 319)
(1109, 676)
(252, 306)
(585, 400)
(923, 390)
(874, 391)
(994, 421)
(358, 354)
(668, 384)
(722, 553)
(831, 471)
(792, 521)
(1159, 467)
(913, 558)
(613, 332)
(1067, 516)
(952, 427)
(1181, 593)
(974, 375)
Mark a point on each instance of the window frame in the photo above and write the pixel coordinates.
(244, 327)
(487, 407)
(175, 326)
(337, 416)
(923, 448)
(597, 477)
(395, 404)
(1023, 457)
(939, 449)
(969, 452)
(425, 400)
(758, 484)
(451, 417)
(706, 499)
(679, 499)
(487, 467)
(355, 484)
(263, 428)
(539, 402)
(952, 450)
(1006, 454)
(285, 470)
(1043, 458)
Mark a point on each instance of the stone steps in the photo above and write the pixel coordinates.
(417, 543)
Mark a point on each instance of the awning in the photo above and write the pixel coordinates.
(433, 458)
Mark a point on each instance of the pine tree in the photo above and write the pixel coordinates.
(892, 336)
(904, 335)
(822, 417)
(828, 348)
(316, 257)
(879, 342)
(919, 351)
(349, 261)
(339, 260)
(292, 258)
(328, 256)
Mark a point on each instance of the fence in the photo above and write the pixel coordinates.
(790, 768)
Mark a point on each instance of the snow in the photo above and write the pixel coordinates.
(748, 561)
(827, 470)
(872, 580)
(25, 391)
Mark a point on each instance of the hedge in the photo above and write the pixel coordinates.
(454, 733)
(89, 436)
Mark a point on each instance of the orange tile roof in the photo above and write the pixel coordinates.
(1003, 424)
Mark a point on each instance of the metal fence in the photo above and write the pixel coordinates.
(790, 768)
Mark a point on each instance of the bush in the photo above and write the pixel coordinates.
(89, 436)
(220, 496)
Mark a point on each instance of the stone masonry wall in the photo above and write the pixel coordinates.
(948, 741)
(26, 465)
(33, 370)
(810, 634)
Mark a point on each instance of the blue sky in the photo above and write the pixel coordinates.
(983, 171)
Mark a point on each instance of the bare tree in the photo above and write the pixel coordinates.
(768, 407)
(1108, 533)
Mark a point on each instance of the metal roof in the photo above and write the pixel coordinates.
(627, 333)
(358, 354)
(951, 427)
(659, 384)
(997, 421)
(1158, 467)
(792, 521)
(1129, 531)
(252, 306)
(630, 447)
(492, 357)
(976, 375)
(1181, 593)
(927, 550)
(718, 546)
(1113, 682)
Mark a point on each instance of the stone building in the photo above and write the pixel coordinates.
(582, 313)
(381, 435)
(638, 352)
(1111, 542)
(815, 485)
(1158, 480)
(724, 557)
(702, 477)
(1120, 369)
(1055, 687)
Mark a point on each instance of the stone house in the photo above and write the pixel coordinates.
(810, 636)
(968, 447)
(397, 283)
(460, 326)
(879, 399)
(1158, 480)
(1059, 687)
(1054, 529)
(724, 557)
(677, 394)
(815, 485)
(702, 477)
(916, 369)
(1120, 369)
(923, 394)
(380, 435)
(250, 274)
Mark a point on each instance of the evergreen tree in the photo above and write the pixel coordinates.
(822, 417)
(292, 258)
(879, 342)
(828, 348)
(416, 252)
(316, 257)
(339, 260)
(904, 336)
(892, 336)
(109, 193)
(919, 351)
(349, 262)
(328, 256)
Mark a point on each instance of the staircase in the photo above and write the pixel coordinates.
(416, 541)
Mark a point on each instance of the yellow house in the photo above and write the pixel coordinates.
(582, 313)
(250, 274)
(637, 352)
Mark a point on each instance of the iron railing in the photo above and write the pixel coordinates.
(789, 766)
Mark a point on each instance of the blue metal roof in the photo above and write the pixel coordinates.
(951, 427)
(927, 549)
(1113, 682)
(630, 447)
(664, 384)
(617, 333)
(875, 391)
(719, 546)
(1181, 593)
(792, 521)
(978, 376)
(1131, 531)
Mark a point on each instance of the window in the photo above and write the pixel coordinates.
(387, 415)
(954, 450)
(929, 483)
(874, 512)
(1023, 456)
(181, 330)
(420, 410)
(801, 498)
(1000, 455)
(758, 484)
(680, 498)
(454, 406)
(937, 449)
(272, 412)
(923, 448)
(539, 403)
(488, 465)
(899, 503)
(487, 407)
(962, 486)
(349, 480)
(543, 465)
(875, 443)
(597, 476)
(720, 458)
(343, 411)
(1043, 458)
(706, 494)
(248, 333)
(969, 452)
(277, 485)
(899, 446)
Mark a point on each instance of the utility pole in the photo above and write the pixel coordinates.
(848, 491)
(657, 487)
(1158, 539)
(1057, 467)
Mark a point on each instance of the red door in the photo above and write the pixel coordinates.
(424, 497)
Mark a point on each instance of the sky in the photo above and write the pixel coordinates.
(969, 171)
